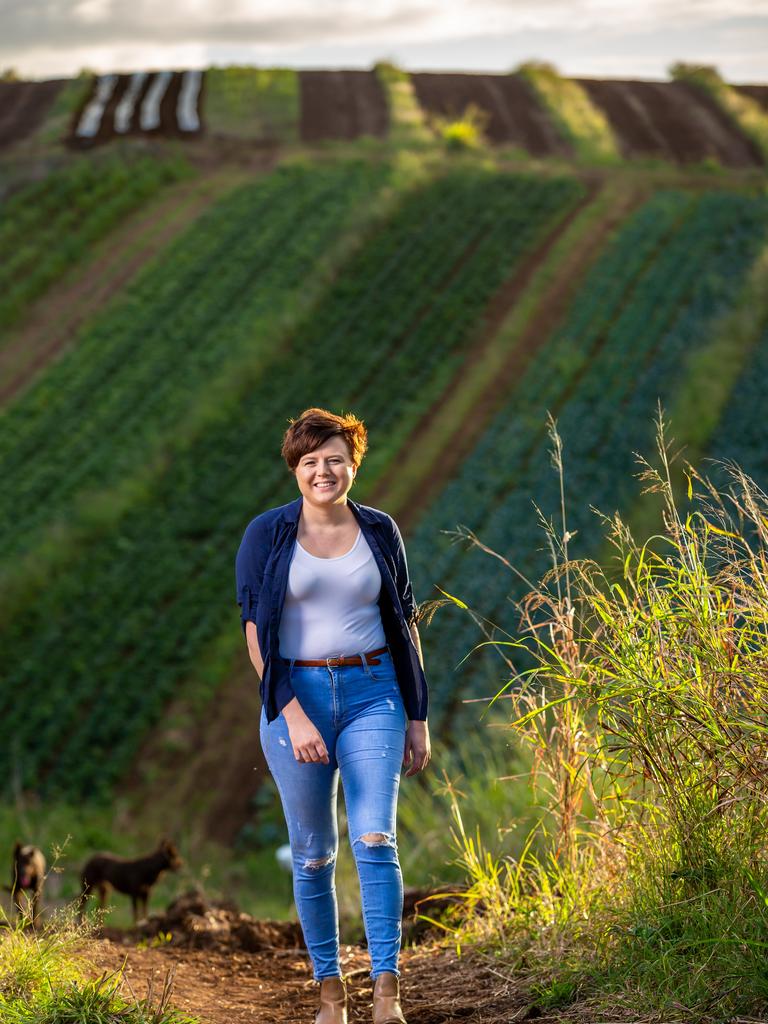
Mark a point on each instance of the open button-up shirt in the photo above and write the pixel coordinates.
(261, 572)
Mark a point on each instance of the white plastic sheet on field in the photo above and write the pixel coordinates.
(150, 108)
(125, 108)
(186, 108)
(90, 119)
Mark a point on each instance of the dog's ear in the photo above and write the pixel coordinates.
(16, 847)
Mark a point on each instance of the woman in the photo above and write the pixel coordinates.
(330, 622)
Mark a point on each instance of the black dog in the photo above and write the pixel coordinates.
(27, 875)
(133, 877)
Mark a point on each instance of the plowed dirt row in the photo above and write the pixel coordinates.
(342, 105)
(23, 106)
(672, 120)
(54, 320)
(759, 93)
(514, 113)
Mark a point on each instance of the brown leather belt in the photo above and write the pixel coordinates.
(352, 659)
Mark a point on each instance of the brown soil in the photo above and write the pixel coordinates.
(23, 107)
(550, 310)
(55, 319)
(228, 968)
(672, 120)
(341, 105)
(219, 987)
(168, 127)
(755, 92)
(514, 114)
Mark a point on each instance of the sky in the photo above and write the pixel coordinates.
(590, 38)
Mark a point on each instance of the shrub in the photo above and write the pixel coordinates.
(465, 132)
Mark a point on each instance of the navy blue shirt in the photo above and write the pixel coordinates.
(261, 573)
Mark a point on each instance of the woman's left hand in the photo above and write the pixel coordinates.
(417, 747)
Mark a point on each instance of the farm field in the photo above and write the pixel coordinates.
(127, 365)
(637, 122)
(676, 265)
(49, 226)
(183, 345)
(175, 290)
(50, 324)
(431, 267)
(740, 436)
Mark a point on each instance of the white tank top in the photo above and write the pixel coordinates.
(331, 604)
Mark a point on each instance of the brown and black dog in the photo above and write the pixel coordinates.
(27, 875)
(133, 877)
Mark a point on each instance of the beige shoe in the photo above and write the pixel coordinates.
(386, 999)
(333, 1002)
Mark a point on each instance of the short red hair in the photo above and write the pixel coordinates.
(315, 426)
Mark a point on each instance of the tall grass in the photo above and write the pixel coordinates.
(644, 698)
(46, 978)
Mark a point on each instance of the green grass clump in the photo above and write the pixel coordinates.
(494, 780)
(746, 113)
(46, 978)
(582, 123)
(464, 132)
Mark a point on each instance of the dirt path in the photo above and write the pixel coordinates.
(56, 317)
(225, 987)
(227, 967)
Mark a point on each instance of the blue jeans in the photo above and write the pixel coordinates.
(360, 715)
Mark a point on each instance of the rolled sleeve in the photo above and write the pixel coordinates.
(249, 572)
(402, 579)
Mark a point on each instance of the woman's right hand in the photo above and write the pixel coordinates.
(308, 745)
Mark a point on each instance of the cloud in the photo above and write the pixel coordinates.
(72, 23)
(46, 37)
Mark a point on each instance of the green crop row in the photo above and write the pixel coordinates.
(741, 433)
(49, 226)
(114, 637)
(139, 367)
(649, 301)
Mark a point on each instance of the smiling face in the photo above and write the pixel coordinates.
(325, 475)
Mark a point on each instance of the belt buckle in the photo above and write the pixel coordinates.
(333, 661)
